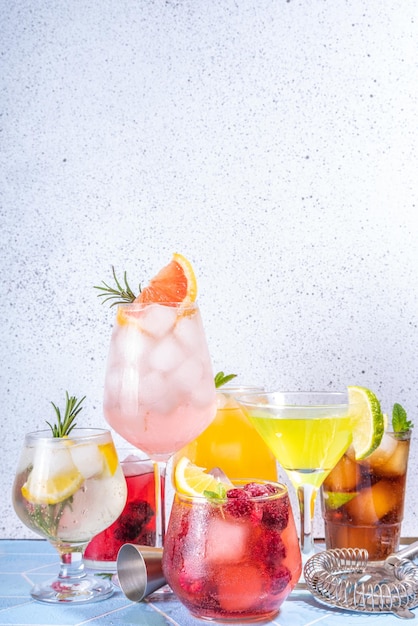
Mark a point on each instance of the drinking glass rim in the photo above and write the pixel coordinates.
(191, 304)
(77, 434)
(227, 389)
(249, 400)
(240, 481)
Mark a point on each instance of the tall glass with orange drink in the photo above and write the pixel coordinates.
(231, 441)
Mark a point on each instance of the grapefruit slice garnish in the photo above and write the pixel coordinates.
(173, 284)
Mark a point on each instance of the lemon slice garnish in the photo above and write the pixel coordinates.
(193, 480)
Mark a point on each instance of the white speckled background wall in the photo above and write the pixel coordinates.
(272, 142)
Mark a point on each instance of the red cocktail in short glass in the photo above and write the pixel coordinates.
(233, 559)
(136, 524)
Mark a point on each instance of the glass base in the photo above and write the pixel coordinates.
(76, 591)
(103, 566)
(251, 619)
(163, 593)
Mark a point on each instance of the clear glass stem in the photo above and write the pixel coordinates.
(306, 497)
(73, 584)
(160, 470)
(71, 565)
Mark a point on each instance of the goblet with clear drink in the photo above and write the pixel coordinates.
(68, 489)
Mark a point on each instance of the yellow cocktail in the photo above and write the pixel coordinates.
(231, 442)
(306, 448)
(308, 433)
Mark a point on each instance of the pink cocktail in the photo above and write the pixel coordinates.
(159, 387)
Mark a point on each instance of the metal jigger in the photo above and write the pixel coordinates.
(139, 570)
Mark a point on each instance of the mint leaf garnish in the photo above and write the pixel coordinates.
(400, 422)
(215, 496)
(221, 379)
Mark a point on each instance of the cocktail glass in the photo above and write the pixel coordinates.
(363, 501)
(136, 524)
(67, 490)
(234, 559)
(159, 387)
(231, 442)
(308, 433)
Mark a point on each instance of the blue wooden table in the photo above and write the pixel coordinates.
(24, 562)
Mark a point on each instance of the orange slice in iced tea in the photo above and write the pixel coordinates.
(174, 283)
(193, 480)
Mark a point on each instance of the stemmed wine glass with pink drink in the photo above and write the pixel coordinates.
(159, 389)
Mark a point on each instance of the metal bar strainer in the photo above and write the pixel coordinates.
(345, 578)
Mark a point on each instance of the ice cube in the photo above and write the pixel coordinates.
(152, 387)
(382, 454)
(218, 473)
(130, 347)
(132, 465)
(240, 587)
(57, 462)
(396, 464)
(166, 355)
(204, 394)
(128, 392)
(373, 503)
(187, 376)
(157, 320)
(88, 459)
(226, 541)
(169, 403)
(344, 476)
(189, 332)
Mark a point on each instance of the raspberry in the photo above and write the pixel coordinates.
(272, 488)
(239, 504)
(255, 490)
(132, 522)
(269, 548)
(236, 494)
(276, 513)
(279, 578)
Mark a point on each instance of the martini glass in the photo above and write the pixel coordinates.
(159, 388)
(308, 432)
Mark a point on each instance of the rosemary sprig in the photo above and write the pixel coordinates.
(46, 518)
(64, 425)
(121, 294)
(222, 379)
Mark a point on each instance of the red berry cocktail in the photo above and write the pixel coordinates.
(235, 557)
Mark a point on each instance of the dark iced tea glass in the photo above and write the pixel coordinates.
(363, 501)
(136, 523)
(236, 559)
